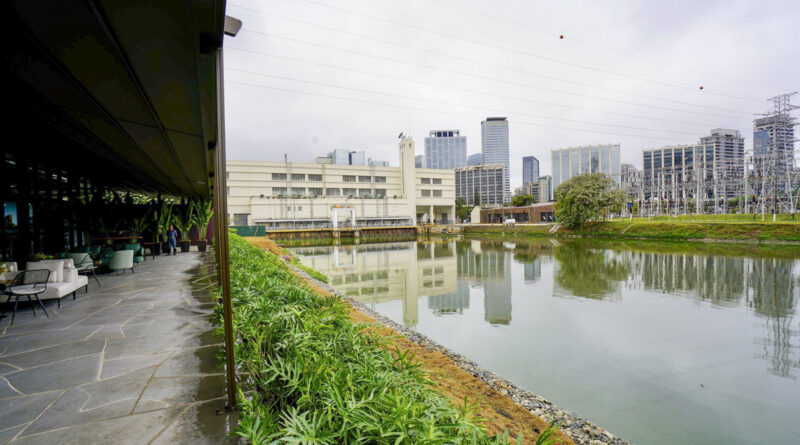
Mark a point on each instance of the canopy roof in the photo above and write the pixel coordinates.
(120, 91)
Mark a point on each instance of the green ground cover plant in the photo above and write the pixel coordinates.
(309, 375)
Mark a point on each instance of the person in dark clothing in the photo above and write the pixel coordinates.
(172, 240)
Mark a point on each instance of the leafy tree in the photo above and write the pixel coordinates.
(463, 211)
(522, 200)
(586, 197)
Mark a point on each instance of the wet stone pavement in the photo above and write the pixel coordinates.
(132, 361)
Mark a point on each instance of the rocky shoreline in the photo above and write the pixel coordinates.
(581, 431)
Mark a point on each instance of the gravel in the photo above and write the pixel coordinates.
(581, 431)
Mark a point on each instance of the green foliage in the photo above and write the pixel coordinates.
(138, 225)
(183, 218)
(587, 197)
(310, 375)
(162, 218)
(522, 200)
(463, 211)
(202, 216)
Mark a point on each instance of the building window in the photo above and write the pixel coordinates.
(364, 192)
(437, 181)
(228, 190)
(332, 192)
(298, 177)
(315, 191)
(299, 208)
(349, 192)
(279, 176)
(364, 179)
(240, 219)
(437, 193)
(426, 193)
(227, 175)
(381, 179)
(289, 208)
(315, 178)
(278, 191)
(349, 178)
(298, 191)
(426, 180)
(380, 193)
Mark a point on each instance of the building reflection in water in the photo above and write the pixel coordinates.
(446, 271)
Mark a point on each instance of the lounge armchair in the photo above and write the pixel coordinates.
(63, 280)
(121, 260)
(138, 252)
(105, 254)
(85, 265)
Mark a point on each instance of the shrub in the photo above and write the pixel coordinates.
(310, 375)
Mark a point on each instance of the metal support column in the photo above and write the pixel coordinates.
(221, 235)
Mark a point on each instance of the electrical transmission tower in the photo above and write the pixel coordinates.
(771, 174)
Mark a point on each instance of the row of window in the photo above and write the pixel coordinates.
(352, 178)
(428, 193)
(434, 181)
(318, 178)
(318, 191)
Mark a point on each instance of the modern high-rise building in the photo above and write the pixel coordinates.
(476, 159)
(545, 189)
(445, 149)
(480, 184)
(773, 140)
(573, 161)
(419, 161)
(494, 146)
(677, 174)
(530, 169)
(729, 158)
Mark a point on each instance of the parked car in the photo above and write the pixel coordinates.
(509, 222)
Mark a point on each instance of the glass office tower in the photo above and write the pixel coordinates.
(573, 161)
(445, 149)
(494, 146)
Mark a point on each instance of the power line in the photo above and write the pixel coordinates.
(453, 104)
(384, 104)
(525, 53)
(590, 45)
(493, 79)
(471, 60)
(469, 90)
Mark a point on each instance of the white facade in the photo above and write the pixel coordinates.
(305, 195)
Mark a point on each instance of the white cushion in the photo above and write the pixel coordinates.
(68, 263)
(70, 275)
(12, 266)
(56, 290)
(56, 269)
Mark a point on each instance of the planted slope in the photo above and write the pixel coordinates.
(313, 376)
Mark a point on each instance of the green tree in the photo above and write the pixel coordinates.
(522, 200)
(586, 197)
(463, 211)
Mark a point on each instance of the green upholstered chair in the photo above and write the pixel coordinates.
(138, 252)
(121, 260)
(105, 254)
(82, 249)
(94, 251)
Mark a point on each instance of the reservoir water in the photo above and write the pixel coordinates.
(658, 343)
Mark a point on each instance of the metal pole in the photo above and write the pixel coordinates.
(221, 235)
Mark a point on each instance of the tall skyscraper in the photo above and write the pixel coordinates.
(445, 149)
(773, 138)
(494, 146)
(573, 161)
(480, 184)
(419, 161)
(476, 159)
(728, 157)
(530, 169)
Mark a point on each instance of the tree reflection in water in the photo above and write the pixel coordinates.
(588, 273)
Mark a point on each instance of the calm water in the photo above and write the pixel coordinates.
(660, 344)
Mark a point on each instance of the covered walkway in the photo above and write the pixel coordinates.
(132, 361)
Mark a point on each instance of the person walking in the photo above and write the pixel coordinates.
(172, 240)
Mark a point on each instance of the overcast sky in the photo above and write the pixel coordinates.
(306, 76)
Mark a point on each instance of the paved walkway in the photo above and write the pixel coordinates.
(131, 362)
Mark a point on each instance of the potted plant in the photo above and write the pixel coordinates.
(163, 218)
(183, 220)
(202, 215)
(137, 227)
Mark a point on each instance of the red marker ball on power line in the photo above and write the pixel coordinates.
(701, 87)
(561, 36)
